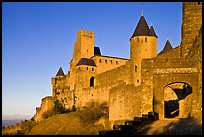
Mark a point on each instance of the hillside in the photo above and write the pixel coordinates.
(68, 124)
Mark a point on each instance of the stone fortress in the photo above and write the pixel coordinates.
(169, 83)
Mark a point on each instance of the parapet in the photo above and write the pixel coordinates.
(85, 33)
(47, 98)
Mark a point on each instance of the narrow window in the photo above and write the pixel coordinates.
(87, 68)
(92, 81)
(145, 39)
(135, 68)
(111, 61)
(116, 62)
(137, 80)
(106, 61)
(138, 40)
(100, 60)
(92, 69)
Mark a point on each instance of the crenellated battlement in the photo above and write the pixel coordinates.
(47, 98)
(85, 33)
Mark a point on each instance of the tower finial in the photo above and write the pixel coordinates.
(142, 10)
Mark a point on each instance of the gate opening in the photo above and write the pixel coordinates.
(173, 94)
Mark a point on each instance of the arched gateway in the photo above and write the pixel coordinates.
(176, 99)
(174, 94)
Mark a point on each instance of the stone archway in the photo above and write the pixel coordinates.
(162, 80)
(175, 99)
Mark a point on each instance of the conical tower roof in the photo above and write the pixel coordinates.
(60, 72)
(166, 48)
(142, 28)
(152, 32)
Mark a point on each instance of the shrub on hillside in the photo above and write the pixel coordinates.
(93, 111)
(59, 108)
(48, 114)
(27, 125)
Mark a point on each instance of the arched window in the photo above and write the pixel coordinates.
(92, 81)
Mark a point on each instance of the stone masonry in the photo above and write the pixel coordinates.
(146, 82)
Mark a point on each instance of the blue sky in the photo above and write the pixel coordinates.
(38, 38)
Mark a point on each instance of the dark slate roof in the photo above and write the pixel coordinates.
(142, 28)
(97, 51)
(86, 61)
(60, 72)
(152, 32)
(166, 48)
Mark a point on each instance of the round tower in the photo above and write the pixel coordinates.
(143, 45)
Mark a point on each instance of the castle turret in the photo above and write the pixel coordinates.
(60, 72)
(166, 48)
(143, 45)
(84, 46)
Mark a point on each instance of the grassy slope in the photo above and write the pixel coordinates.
(65, 124)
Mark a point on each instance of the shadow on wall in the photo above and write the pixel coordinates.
(171, 108)
(185, 126)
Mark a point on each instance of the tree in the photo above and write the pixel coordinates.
(58, 107)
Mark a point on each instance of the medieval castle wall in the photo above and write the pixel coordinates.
(46, 105)
(191, 23)
(132, 87)
(105, 63)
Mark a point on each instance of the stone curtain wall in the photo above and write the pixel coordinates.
(46, 105)
(194, 59)
(125, 102)
(192, 21)
(114, 75)
(97, 94)
(105, 63)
